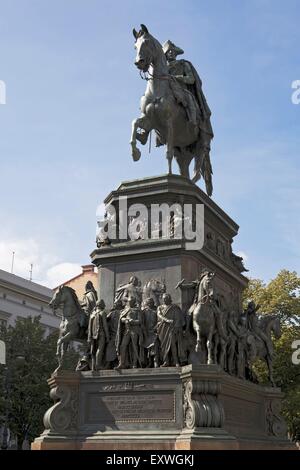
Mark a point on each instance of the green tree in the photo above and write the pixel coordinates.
(28, 391)
(281, 296)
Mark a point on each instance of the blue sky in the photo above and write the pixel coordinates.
(73, 90)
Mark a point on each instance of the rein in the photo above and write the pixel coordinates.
(206, 297)
(159, 77)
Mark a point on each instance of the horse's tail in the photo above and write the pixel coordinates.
(207, 173)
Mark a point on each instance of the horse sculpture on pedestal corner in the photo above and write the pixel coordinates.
(204, 323)
(73, 323)
(269, 324)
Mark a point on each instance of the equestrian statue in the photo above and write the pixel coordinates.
(174, 106)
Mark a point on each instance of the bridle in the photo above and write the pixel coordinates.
(152, 76)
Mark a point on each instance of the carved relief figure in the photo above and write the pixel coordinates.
(154, 289)
(113, 318)
(90, 298)
(98, 334)
(210, 241)
(150, 341)
(170, 333)
(204, 312)
(130, 289)
(129, 339)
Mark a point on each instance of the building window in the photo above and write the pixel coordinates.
(24, 302)
(42, 308)
(4, 295)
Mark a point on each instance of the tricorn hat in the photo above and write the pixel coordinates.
(170, 45)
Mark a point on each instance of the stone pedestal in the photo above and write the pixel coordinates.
(177, 408)
(188, 408)
(169, 259)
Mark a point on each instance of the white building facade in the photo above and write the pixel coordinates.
(20, 298)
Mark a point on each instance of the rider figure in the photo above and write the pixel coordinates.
(192, 98)
(128, 290)
(253, 326)
(90, 298)
(198, 299)
(183, 72)
(187, 90)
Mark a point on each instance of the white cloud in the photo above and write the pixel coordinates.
(61, 273)
(26, 252)
(48, 269)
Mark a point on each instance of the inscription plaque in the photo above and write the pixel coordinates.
(131, 407)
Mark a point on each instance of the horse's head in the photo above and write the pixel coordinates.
(147, 47)
(58, 298)
(271, 324)
(158, 286)
(207, 285)
(66, 298)
(276, 326)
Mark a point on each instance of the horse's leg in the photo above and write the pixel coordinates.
(183, 158)
(58, 347)
(196, 328)
(59, 357)
(64, 344)
(141, 123)
(170, 144)
(270, 368)
(231, 355)
(64, 348)
(222, 358)
(209, 345)
(216, 345)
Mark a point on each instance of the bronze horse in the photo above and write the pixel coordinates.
(204, 323)
(71, 320)
(269, 324)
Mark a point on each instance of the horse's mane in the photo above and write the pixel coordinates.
(74, 296)
(264, 320)
(157, 46)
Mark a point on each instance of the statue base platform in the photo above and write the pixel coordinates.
(175, 408)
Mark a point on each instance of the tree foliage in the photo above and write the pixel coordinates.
(26, 397)
(281, 296)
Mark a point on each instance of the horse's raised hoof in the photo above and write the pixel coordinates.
(136, 154)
